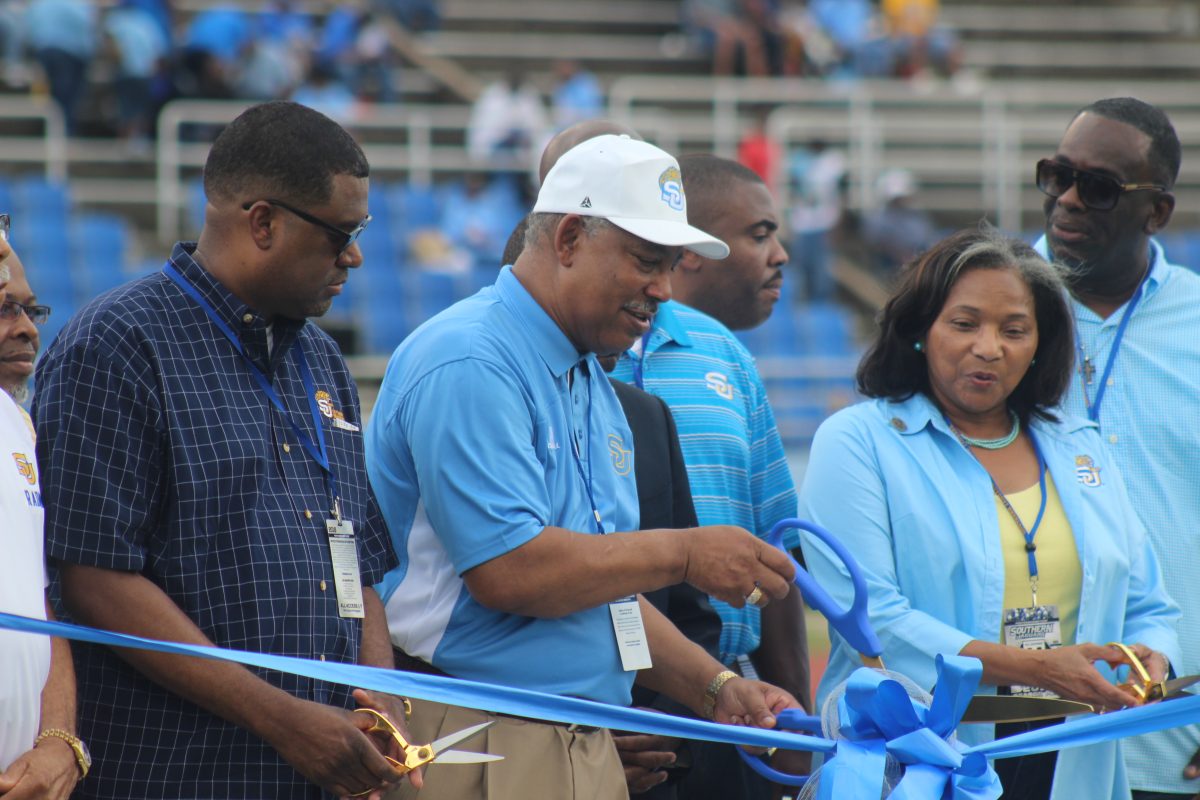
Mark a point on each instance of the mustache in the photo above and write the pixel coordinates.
(647, 309)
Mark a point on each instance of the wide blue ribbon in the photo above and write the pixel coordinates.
(468, 694)
(878, 718)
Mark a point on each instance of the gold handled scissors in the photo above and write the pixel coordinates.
(1143, 688)
(418, 755)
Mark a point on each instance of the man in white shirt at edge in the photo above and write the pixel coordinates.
(40, 756)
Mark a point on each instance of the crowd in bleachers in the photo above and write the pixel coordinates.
(332, 62)
(837, 38)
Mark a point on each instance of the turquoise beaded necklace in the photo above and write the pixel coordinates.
(996, 444)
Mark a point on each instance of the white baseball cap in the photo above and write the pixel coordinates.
(633, 184)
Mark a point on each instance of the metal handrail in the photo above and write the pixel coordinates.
(51, 146)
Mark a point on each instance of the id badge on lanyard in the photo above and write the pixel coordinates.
(347, 580)
(1035, 627)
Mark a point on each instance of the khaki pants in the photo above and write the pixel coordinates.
(541, 761)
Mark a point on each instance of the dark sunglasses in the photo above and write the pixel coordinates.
(1097, 192)
(11, 310)
(341, 239)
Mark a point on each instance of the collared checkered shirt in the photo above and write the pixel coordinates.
(160, 455)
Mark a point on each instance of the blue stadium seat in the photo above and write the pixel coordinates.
(35, 197)
(100, 245)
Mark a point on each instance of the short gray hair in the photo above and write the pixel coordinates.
(542, 224)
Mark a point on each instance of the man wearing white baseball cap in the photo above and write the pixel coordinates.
(504, 466)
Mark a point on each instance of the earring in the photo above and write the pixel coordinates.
(917, 346)
(1032, 362)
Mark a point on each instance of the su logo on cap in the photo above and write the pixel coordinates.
(670, 183)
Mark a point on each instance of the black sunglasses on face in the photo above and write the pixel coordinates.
(1096, 191)
(341, 239)
(11, 309)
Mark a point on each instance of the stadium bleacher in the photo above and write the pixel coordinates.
(88, 214)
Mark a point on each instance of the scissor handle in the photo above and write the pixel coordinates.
(852, 623)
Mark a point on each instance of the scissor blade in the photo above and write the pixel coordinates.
(451, 739)
(1006, 708)
(1175, 687)
(463, 757)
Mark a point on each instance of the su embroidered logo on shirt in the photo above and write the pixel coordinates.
(1086, 471)
(720, 384)
(325, 403)
(621, 456)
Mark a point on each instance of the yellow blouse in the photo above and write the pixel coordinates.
(1060, 578)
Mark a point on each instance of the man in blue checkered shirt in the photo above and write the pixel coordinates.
(202, 463)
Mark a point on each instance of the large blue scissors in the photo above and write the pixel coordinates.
(851, 623)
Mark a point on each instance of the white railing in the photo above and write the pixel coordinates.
(49, 149)
(987, 140)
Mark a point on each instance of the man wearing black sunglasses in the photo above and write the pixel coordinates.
(1108, 190)
(202, 456)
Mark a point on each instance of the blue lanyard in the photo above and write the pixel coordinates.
(1093, 408)
(1028, 533)
(586, 478)
(640, 362)
(316, 451)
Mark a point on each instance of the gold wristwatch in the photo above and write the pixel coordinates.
(82, 757)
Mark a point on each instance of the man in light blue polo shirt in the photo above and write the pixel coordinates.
(734, 455)
(1108, 190)
(504, 467)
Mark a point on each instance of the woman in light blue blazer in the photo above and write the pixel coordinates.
(988, 523)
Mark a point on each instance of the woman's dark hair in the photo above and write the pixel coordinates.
(894, 369)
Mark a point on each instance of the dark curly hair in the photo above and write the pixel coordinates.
(892, 368)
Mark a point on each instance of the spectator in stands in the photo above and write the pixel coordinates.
(818, 175)
(508, 119)
(62, 35)
(415, 15)
(863, 46)
(1136, 316)
(921, 41)
(735, 459)
(577, 95)
(478, 214)
(209, 59)
(531, 566)
(723, 29)
(757, 151)
(13, 71)
(40, 755)
(897, 229)
(189, 530)
(324, 92)
(141, 51)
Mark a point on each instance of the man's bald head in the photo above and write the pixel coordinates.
(577, 134)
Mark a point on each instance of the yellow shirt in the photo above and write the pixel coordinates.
(1060, 577)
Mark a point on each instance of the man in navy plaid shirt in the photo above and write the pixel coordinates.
(202, 464)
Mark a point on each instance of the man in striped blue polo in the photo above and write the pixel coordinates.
(691, 359)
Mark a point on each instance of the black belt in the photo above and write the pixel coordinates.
(407, 663)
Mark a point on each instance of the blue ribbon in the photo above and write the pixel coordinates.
(879, 719)
(468, 694)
